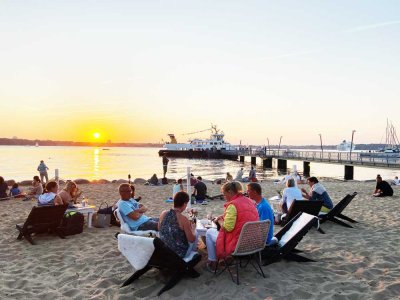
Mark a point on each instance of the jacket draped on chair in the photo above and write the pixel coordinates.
(246, 212)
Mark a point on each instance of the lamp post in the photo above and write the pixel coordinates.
(279, 147)
(322, 149)
(351, 144)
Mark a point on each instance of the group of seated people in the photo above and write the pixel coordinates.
(317, 192)
(178, 232)
(16, 191)
(67, 196)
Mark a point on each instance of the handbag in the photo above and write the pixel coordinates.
(102, 218)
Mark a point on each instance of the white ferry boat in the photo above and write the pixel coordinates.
(213, 148)
(346, 146)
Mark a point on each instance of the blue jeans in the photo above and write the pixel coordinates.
(150, 224)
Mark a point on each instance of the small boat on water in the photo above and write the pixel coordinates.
(213, 148)
(346, 146)
(392, 148)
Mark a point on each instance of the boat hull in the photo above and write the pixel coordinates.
(202, 154)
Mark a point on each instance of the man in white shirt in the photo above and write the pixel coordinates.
(239, 175)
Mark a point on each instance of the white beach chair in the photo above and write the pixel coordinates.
(147, 253)
(288, 238)
(126, 229)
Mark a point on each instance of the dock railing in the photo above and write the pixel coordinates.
(356, 158)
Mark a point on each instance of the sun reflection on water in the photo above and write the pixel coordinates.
(96, 162)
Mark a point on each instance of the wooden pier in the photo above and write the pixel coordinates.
(347, 159)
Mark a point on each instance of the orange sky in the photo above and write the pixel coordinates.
(136, 71)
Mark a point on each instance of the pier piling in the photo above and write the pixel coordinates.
(241, 158)
(282, 164)
(306, 168)
(348, 172)
(267, 163)
(253, 160)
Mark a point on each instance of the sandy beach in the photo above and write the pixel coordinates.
(359, 263)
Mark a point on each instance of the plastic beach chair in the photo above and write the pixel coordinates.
(336, 212)
(43, 219)
(126, 229)
(309, 207)
(288, 238)
(162, 258)
(252, 240)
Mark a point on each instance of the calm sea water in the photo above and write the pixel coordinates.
(20, 163)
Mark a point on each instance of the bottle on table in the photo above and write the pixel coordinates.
(83, 201)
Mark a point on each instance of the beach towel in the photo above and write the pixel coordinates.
(136, 249)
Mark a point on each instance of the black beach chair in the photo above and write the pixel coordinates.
(164, 258)
(310, 207)
(43, 219)
(336, 212)
(288, 238)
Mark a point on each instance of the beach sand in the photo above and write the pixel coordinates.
(359, 263)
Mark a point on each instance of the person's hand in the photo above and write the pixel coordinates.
(303, 190)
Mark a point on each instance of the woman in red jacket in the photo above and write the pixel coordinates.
(238, 211)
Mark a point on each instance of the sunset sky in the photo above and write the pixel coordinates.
(134, 71)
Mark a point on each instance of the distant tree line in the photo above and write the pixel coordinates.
(26, 142)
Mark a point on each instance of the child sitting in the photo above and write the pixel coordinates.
(16, 192)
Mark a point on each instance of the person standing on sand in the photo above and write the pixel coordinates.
(42, 168)
(165, 161)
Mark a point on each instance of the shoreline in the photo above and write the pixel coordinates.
(142, 181)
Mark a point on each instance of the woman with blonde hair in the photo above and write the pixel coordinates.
(229, 177)
(238, 211)
(70, 193)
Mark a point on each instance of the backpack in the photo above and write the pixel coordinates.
(72, 223)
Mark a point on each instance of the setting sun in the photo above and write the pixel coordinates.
(96, 135)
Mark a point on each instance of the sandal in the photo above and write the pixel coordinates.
(210, 268)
